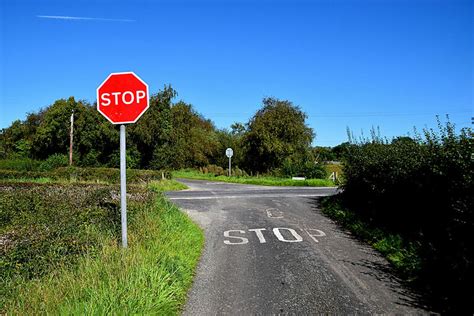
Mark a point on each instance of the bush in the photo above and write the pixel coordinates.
(53, 162)
(422, 190)
(237, 172)
(308, 169)
(45, 225)
(60, 251)
(218, 171)
(107, 175)
(21, 164)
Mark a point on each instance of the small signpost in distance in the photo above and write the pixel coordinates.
(229, 153)
(122, 98)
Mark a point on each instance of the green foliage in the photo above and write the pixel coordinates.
(303, 168)
(52, 135)
(166, 185)
(50, 224)
(132, 158)
(404, 256)
(23, 164)
(215, 170)
(152, 132)
(76, 174)
(54, 161)
(245, 179)
(60, 252)
(336, 153)
(193, 138)
(322, 154)
(229, 139)
(275, 133)
(337, 168)
(421, 189)
(168, 136)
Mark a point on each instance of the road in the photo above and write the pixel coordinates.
(269, 250)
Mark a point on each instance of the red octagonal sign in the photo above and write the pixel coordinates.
(122, 98)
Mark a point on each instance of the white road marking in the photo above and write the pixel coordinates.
(320, 233)
(243, 196)
(312, 232)
(243, 239)
(280, 237)
(258, 232)
(274, 213)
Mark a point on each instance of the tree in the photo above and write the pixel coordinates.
(168, 135)
(237, 129)
(323, 153)
(228, 139)
(276, 133)
(152, 133)
(193, 137)
(52, 134)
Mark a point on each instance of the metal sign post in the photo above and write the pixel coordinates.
(123, 186)
(71, 137)
(229, 153)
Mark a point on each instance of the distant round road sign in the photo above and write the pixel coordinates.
(229, 152)
(122, 98)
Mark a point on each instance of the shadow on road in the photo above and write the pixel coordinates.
(408, 293)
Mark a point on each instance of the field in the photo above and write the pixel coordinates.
(60, 251)
(261, 180)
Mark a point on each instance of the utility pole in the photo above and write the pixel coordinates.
(71, 136)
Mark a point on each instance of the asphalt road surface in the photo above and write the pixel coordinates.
(269, 250)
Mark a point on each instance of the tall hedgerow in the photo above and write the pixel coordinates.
(422, 189)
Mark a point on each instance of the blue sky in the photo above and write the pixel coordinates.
(393, 64)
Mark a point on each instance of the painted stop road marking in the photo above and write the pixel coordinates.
(282, 234)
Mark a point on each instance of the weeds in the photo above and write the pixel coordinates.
(166, 185)
(263, 180)
(60, 253)
(420, 189)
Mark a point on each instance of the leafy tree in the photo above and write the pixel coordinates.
(52, 134)
(229, 139)
(341, 150)
(14, 141)
(237, 129)
(193, 137)
(151, 134)
(323, 154)
(276, 132)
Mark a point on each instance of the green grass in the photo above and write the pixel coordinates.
(29, 180)
(264, 180)
(85, 175)
(75, 265)
(19, 164)
(404, 256)
(166, 185)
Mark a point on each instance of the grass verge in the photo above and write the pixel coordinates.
(166, 185)
(264, 180)
(404, 256)
(85, 175)
(60, 253)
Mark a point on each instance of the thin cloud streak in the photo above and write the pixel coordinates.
(81, 18)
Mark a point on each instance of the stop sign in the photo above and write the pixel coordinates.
(122, 98)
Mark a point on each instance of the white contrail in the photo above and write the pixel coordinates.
(63, 17)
